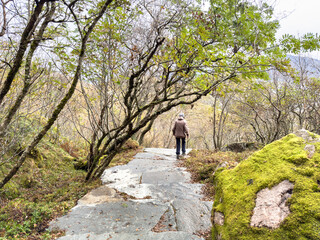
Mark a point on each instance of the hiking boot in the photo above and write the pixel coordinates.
(177, 156)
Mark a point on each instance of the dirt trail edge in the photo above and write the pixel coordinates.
(150, 198)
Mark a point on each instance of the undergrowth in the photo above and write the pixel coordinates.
(202, 164)
(47, 186)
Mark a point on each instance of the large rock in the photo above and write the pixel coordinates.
(271, 208)
(274, 194)
(241, 146)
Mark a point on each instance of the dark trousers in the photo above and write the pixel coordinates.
(183, 142)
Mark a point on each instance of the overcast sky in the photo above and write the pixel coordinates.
(302, 16)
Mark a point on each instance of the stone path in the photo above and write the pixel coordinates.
(150, 198)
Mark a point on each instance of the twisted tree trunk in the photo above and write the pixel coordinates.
(62, 103)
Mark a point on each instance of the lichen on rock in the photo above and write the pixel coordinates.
(286, 166)
(271, 208)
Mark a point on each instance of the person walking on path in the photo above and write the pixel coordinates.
(181, 132)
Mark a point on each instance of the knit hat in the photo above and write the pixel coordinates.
(181, 115)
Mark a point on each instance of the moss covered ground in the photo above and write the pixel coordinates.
(46, 187)
(236, 189)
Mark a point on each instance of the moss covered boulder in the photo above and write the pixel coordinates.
(274, 194)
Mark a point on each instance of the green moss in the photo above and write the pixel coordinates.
(278, 161)
(80, 165)
(46, 186)
(70, 159)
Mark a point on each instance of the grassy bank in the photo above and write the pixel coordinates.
(46, 187)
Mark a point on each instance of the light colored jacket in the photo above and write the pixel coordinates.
(180, 128)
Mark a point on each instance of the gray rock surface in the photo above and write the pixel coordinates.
(161, 203)
(192, 215)
(307, 136)
(134, 236)
(221, 165)
(218, 218)
(271, 208)
(102, 194)
(311, 149)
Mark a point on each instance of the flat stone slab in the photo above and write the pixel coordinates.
(164, 151)
(114, 217)
(165, 176)
(103, 194)
(135, 236)
(192, 216)
(140, 166)
(178, 190)
(161, 203)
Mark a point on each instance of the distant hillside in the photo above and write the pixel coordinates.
(306, 64)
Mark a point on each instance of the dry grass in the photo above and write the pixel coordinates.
(202, 164)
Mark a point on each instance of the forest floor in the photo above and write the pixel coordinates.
(47, 186)
(202, 164)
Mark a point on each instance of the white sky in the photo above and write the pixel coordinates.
(302, 16)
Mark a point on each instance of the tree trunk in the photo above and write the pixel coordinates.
(27, 81)
(145, 131)
(214, 124)
(25, 38)
(4, 24)
(62, 103)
